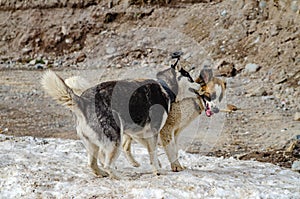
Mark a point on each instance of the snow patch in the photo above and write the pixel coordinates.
(55, 168)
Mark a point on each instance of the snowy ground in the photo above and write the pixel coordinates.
(55, 168)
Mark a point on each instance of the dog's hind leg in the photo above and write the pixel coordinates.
(101, 156)
(111, 154)
(152, 150)
(93, 151)
(126, 145)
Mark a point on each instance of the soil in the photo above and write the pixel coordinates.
(104, 40)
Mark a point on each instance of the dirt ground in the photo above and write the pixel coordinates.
(104, 40)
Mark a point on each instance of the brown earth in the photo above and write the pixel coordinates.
(103, 40)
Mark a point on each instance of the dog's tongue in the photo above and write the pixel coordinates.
(208, 111)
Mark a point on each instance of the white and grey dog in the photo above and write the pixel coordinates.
(137, 108)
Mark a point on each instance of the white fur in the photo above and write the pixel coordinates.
(78, 84)
(56, 88)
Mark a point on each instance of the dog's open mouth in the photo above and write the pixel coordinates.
(208, 111)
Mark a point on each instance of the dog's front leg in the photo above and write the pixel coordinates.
(168, 140)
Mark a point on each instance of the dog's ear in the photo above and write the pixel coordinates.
(221, 83)
(176, 55)
(205, 76)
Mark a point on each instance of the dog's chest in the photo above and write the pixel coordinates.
(182, 113)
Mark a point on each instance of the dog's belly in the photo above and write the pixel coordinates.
(142, 133)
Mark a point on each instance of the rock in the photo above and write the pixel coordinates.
(64, 30)
(58, 63)
(226, 69)
(81, 57)
(32, 62)
(110, 50)
(223, 13)
(294, 6)
(262, 4)
(258, 92)
(39, 66)
(274, 30)
(26, 50)
(296, 166)
(281, 80)
(268, 97)
(251, 68)
(69, 40)
(110, 4)
(297, 116)
(118, 66)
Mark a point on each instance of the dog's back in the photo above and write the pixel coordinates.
(138, 103)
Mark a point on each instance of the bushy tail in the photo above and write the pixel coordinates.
(78, 84)
(57, 89)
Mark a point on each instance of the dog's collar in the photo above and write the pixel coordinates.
(171, 94)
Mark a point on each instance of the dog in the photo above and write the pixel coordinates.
(183, 112)
(109, 110)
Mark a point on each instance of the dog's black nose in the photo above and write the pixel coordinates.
(215, 110)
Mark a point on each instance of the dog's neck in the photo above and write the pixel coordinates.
(198, 103)
(168, 80)
(188, 109)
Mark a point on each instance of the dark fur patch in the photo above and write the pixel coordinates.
(138, 103)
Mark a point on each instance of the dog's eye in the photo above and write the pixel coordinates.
(207, 98)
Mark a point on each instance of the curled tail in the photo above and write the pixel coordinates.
(58, 89)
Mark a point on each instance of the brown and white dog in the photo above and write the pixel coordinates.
(183, 112)
(109, 110)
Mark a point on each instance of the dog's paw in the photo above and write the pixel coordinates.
(176, 167)
(114, 176)
(157, 173)
(100, 173)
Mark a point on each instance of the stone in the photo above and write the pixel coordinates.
(39, 66)
(251, 68)
(262, 4)
(223, 13)
(26, 50)
(110, 50)
(81, 57)
(227, 69)
(32, 62)
(296, 166)
(257, 92)
(297, 116)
